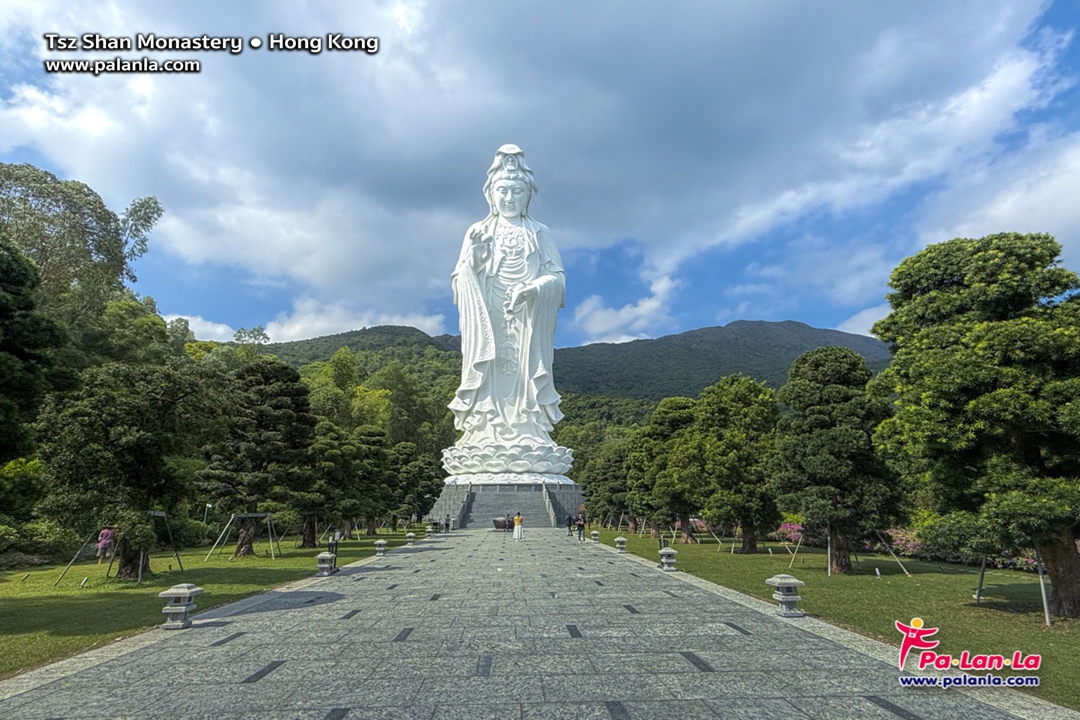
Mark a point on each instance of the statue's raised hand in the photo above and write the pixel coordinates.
(481, 246)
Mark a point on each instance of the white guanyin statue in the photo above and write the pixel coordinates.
(509, 285)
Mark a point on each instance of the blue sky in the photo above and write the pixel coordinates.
(698, 163)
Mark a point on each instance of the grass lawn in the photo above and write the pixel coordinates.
(1010, 617)
(40, 623)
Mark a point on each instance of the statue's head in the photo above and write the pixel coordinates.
(509, 180)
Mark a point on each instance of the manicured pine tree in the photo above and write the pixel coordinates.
(986, 374)
(263, 456)
(825, 467)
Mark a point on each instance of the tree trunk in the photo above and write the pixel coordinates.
(370, 525)
(687, 530)
(631, 526)
(841, 558)
(1062, 563)
(127, 556)
(246, 538)
(346, 529)
(394, 519)
(653, 532)
(307, 534)
(749, 539)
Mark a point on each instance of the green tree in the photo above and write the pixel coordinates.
(84, 251)
(603, 479)
(725, 456)
(263, 457)
(986, 374)
(105, 449)
(374, 470)
(334, 482)
(26, 336)
(653, 490)
(825, 468)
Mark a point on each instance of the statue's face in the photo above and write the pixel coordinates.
(511, 197)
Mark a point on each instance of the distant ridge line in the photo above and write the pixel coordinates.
(651, 369)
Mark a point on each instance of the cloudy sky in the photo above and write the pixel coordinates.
(698, 162)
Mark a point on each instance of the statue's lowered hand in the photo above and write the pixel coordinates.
(519, 294)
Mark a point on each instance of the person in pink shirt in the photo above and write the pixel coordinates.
(106, 539)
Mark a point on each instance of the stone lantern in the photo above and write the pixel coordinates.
(325, 562)
(787, 594)
(181, 602)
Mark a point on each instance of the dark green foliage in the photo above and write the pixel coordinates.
(264, 455)
(83, 250)
(826, 468)
(105, 448)
(26, 336)
(653, 490)
(302, 352)
(22, 486)
(987, 378)
(603, 477)
(723, 459)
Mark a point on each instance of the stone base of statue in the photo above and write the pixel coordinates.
(501, 459)
(508, 479)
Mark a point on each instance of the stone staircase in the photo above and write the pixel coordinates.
(492, 501)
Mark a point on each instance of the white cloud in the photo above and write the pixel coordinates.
(861, 322)
(600, 323)
(354, 176)
(206, 329)
(310, 318)
(846, 272)
(1033, 190)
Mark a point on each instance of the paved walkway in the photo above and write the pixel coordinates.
(475, 626)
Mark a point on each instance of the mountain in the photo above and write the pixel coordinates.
(302, 352)
(683, 364)
(680, 364)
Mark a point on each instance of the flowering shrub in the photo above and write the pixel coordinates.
(790, 532)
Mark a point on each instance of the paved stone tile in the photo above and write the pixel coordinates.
(485, 711)
(621, 687)
(702, 686)
(495, 643)
(556, 664)
(565, 711)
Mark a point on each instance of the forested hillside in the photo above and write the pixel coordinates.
(680, 364)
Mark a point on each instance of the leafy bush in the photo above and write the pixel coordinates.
(8, 534)
(186, 532)
(47, 537)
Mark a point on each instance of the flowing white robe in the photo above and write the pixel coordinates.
(481, 407)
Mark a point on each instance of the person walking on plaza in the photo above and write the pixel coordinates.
(581, 527)
(106, 538)
(446, 524)
(518, 529)
(508, 525)
(569, 525)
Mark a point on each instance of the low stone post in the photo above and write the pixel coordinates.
(667, 559)
(620, 545)
(181, 602)
(409, 538)
(596, 536)
(325, 561)
(380, 548)
(428, 531)
(787, 594)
